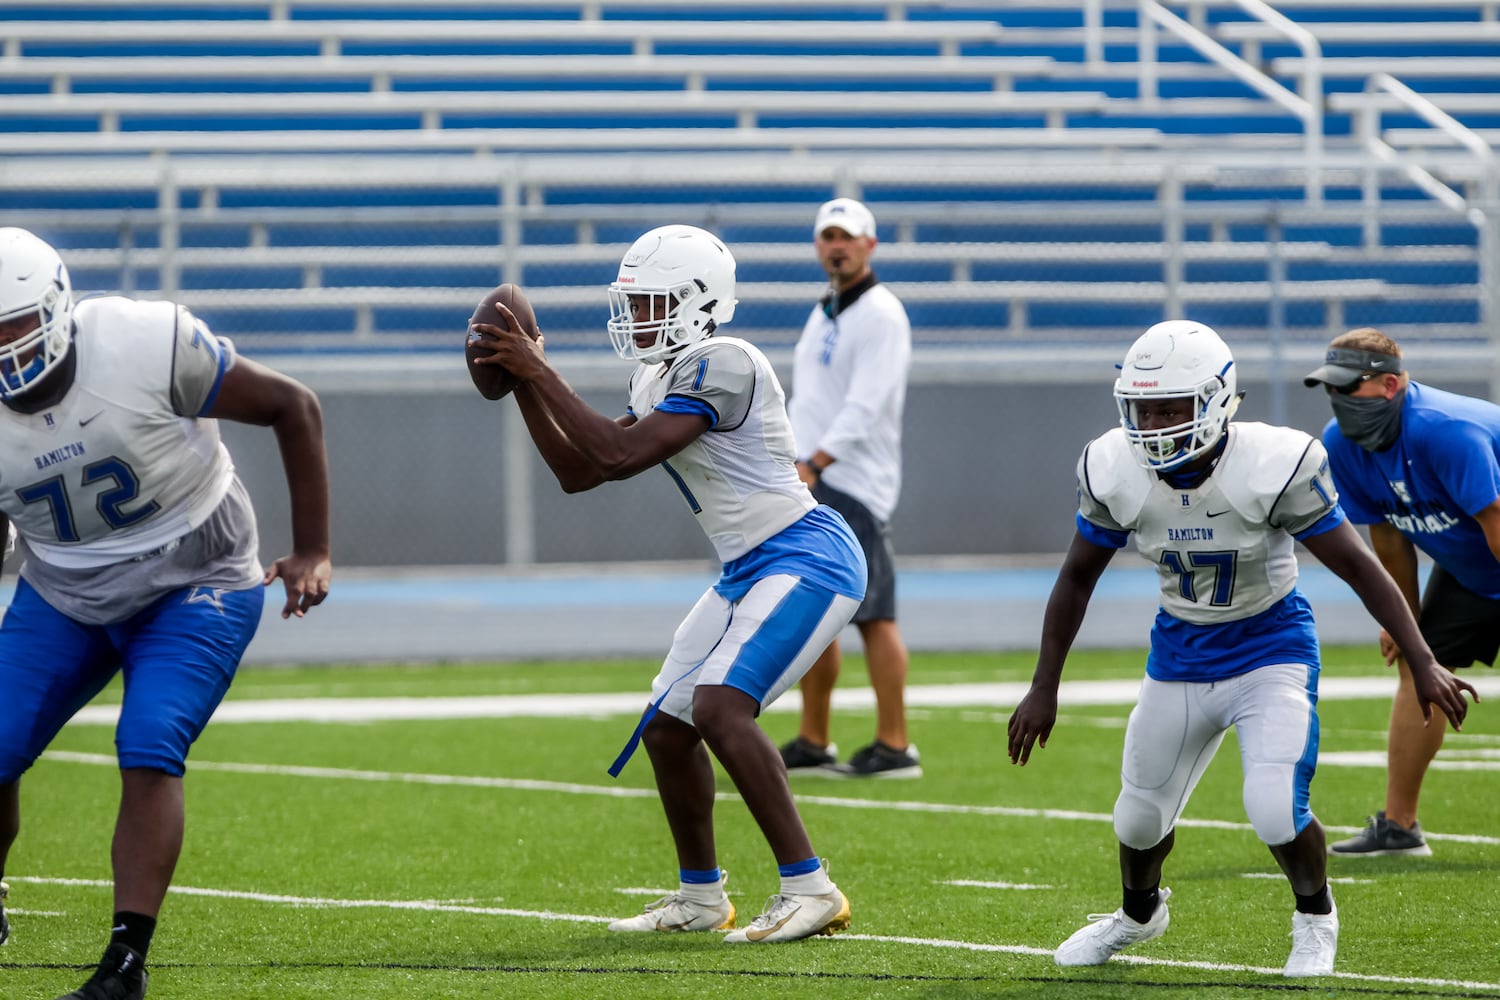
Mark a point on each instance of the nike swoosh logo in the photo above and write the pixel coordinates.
(85, 421)
(761, 935)
(1216, 513)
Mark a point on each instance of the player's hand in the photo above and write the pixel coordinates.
(306, 580)
(1031, 723)
(518, 351)
(1388, 648)
(1437, 686)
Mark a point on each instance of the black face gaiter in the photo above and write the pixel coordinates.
(1372, 423)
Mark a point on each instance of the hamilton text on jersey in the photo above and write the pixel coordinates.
(67, 451)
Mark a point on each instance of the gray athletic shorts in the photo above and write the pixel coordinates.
(875, 538)
(1460, 625)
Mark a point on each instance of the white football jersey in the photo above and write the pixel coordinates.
(122, 465)
(740, 477)
(1223, 550)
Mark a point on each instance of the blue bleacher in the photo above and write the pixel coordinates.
(1200, 108)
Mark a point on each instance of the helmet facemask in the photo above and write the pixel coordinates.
(33, 282)
(688, 276)
(1177, 360)
(675, 318)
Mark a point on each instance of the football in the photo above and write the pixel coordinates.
(493, 381)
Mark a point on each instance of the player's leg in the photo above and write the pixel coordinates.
(179, 656)
(685, 782)
(1277, 722)
(50, 667)
(778, 628)
(1173, 733)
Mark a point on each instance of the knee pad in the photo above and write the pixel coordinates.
(1274, 810)
(1140, 822)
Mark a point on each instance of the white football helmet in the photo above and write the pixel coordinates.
(1177, 359)
(33, 280)
(689, 273)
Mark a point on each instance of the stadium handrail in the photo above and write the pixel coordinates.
(1306, 104)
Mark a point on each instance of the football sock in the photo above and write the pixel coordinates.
(133, 930)
(701, 885)
(805, 878)
(1318, 902)
(1141, 903)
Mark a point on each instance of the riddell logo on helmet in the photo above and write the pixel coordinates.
(1141, 384)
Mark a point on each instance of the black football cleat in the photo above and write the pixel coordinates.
(4, 923)
(121, 976)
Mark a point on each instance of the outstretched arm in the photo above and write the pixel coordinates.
(1031, 723)
(254, 394)
(1344, 552)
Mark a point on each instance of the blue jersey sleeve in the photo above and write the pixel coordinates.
(1107, 538)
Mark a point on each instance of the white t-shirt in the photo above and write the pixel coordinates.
(849, 392)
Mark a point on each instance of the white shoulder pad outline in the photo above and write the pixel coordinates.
(1109, 474)
(1262, 462)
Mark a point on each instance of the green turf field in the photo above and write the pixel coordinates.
(482, 857)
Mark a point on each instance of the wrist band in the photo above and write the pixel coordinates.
(813, 464)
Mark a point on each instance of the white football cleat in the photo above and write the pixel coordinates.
(792, 917)
(1109, 933)
(674, 913)
(1315, 940)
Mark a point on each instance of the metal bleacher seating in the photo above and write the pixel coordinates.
(351, 175)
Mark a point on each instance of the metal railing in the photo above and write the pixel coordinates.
(1306, 105)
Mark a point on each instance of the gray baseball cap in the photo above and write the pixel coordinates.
(1343, 366)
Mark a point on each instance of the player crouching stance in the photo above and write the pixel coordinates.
(709, 410)
(1216, 508)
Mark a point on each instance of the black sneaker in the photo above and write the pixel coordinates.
(880, 761)
(121, 976)
(1383, 837)
(800, 755)
(4, 924)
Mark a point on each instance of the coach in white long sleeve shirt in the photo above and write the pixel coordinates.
(848, 396)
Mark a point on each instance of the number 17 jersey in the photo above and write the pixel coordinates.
(1223, 550)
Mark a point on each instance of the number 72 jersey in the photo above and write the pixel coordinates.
(123, 464)
(1223, 550)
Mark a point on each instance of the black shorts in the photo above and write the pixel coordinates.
(875, 538)
(1459, 625)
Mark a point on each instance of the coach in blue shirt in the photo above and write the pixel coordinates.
(1421, 467)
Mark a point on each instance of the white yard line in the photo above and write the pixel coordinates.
(613, 791)
(963, 696)
(435, 906)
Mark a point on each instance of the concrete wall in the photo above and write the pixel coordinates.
(425, 472)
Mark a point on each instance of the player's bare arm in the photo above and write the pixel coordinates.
(1343, 552)
(574, 471)
(1031, 723)
(254, 394)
